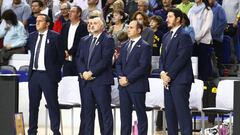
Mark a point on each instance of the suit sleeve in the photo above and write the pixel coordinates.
(119, 64)
(144, 64)
(60, 50)
(107, 54)
(184, 53)
(80, 57)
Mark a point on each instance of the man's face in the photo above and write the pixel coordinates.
(139, 18)
(74, 14)
(96, 26)
(36, 8)
(133, 31)
(211, 2)
(171, 20)
(89, 25)
(64, 10)
(166, 3)
(17, 1)
(153, 24)
(41, 23)
(141, 6)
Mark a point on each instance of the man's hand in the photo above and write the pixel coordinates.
(123, 81)
(87, 75)
(8, 47)
(166, 79)
(66, 55)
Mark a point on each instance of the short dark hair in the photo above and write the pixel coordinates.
(9, 15)
(47, 18)
(177, 13)
(157, 19)
(40, 3)
(187, 21)
(78, 9)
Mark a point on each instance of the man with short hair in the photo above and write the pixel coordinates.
(143, 7)
(47, 56)
(71, 34)
(132, 69)
(177, 75)
(63, 18)
(36, 6)
(95, 70)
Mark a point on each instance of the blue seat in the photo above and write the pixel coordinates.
(23, 72)
(8, 69)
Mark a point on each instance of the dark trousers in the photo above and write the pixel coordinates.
(39, 83)
(176, 101)
(202, 51)
(127, 100)
(69, 68)
(100, 96)
(82, 117)
(218, 49)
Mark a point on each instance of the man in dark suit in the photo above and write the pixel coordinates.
(71, 34)
(95, 67)
(133, 69)
(177, 75)
(47, 56)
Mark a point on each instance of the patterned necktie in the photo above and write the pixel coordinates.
(129, 48)
(38, 51)
(91, 48)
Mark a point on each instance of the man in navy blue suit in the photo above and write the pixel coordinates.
(177, 75)
(47, 56)
(95, 67)
(132, 69)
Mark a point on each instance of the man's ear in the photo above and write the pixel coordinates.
(178, 19)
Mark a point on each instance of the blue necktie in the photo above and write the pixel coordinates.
(38, 51)
(91, 48)
(169, 40)
(129, 48)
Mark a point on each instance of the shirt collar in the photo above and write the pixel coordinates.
(97, 36)
(174, 30)
(136, 39)
(44, 33)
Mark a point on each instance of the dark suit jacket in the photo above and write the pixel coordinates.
(54, 54)
(80, 32)
(176, 59)
(101, 60)
(136, 68)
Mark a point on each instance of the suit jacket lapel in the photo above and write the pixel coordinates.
(88, 43)
(97, 43)
(134, 49)
(172, 41)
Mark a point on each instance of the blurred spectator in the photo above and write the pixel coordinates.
(46, 10)
(217, 31)
(71, 34)
(176, 2)
(185, 6)
(147, 33)
(56, 9)
(36, 6)
(155, 22)
(201, 18)
(167, 4)
(83, 4)
(117, 5)
(119, 25)
(63, 18)
(92, 5)
(143, 7)
(21, 9)
(14, 34)
(131, 6)
(188, 29)
(108, 7)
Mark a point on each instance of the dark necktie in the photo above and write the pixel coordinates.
(91, 48)
(38, 51)
(129, 49)
(169, 39)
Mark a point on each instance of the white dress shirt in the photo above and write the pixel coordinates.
(71, 34)
(41, 60)
(135, 41)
